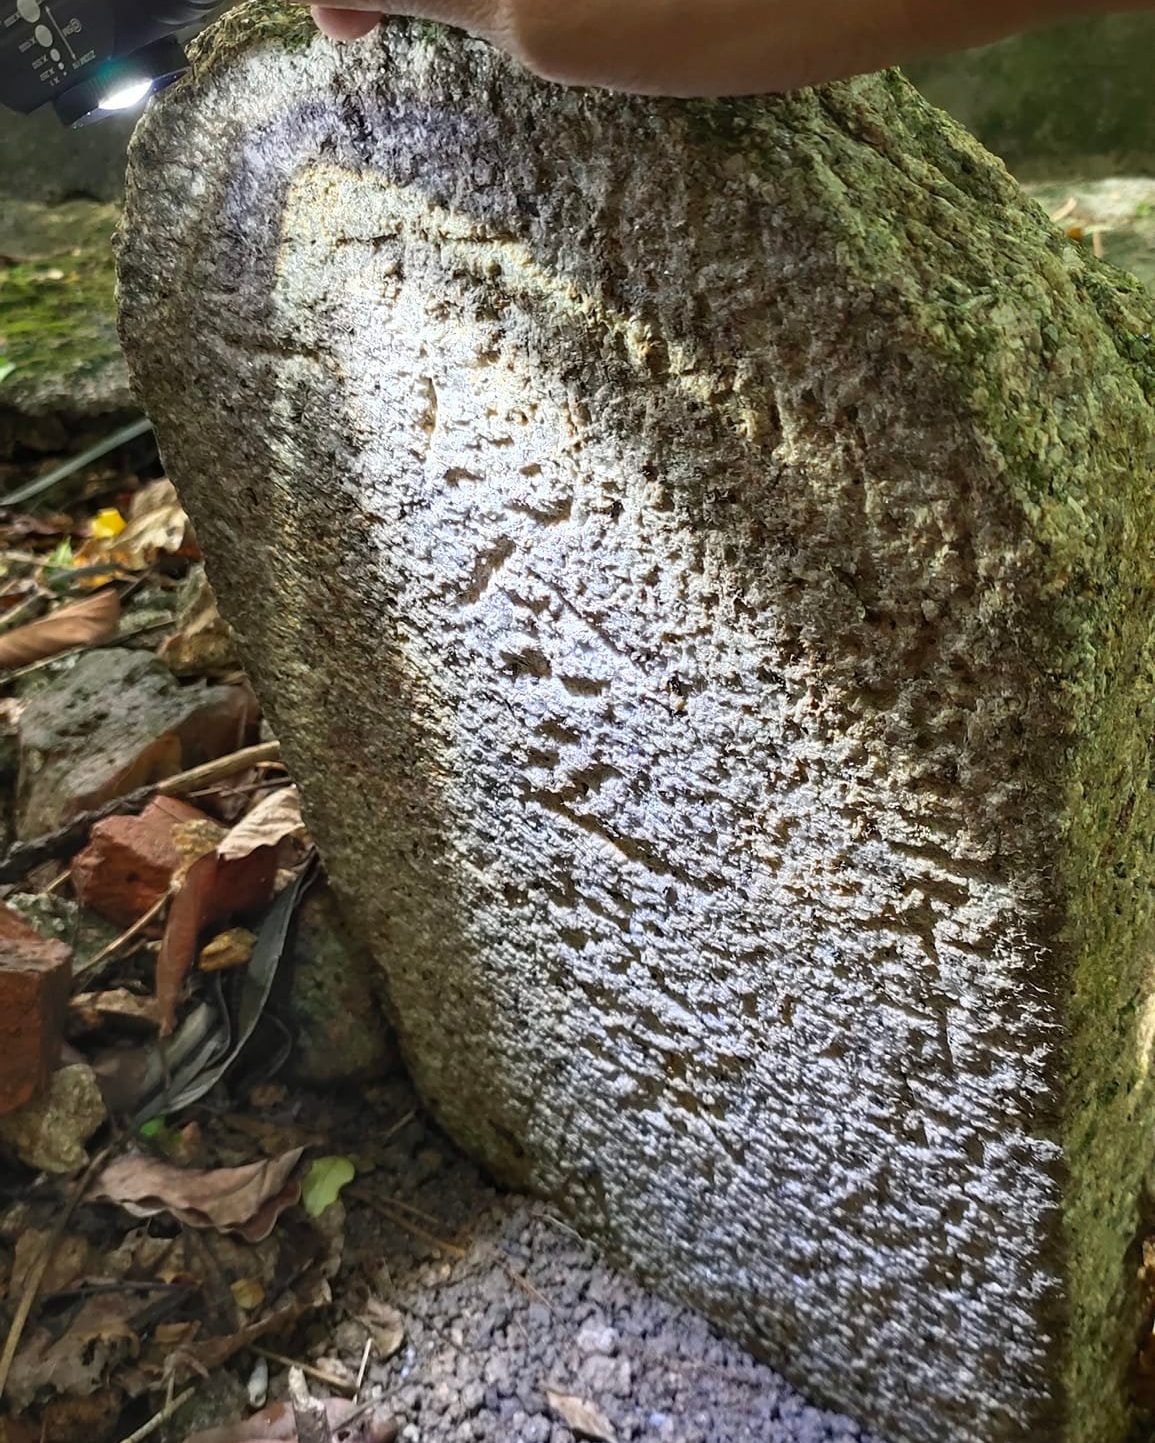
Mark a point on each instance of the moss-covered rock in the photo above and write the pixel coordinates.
(59, 351)
(340, 1033)
(697, 559)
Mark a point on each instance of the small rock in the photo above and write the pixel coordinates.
(50, 1133)
(63, 919)
(129, 861)
(497, 1374)
(607, 1377)
(203, 644)
(35, 981)
(341, 1035)
(597, 1338)
(257, 1387)
(117, 720)
(472, 1397)
(227, 950)
(58, 311)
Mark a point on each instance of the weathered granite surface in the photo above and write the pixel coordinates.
(697, 559)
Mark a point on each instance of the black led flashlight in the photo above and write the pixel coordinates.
(91, 58)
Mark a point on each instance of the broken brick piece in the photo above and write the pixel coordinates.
(114, 722)
(35, 980)
(129, 861)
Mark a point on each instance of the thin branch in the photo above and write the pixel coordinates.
(23, 857)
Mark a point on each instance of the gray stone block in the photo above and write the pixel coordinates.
(697, 559)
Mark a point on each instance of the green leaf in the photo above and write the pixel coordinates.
(323, 1183)
(153, 1128)
(6, 369)
(61, 557)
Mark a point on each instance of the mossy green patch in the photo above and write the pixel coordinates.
(58, 344)
(1019, 316)
(1077, 97)
(258, 22)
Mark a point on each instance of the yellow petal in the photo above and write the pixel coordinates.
(107, 524)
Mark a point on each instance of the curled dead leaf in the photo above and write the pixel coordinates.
(581, 1417)
(213, 890)
(245, 1200)
(76, 1363)
(274, 819)
(85, 623)
(156, 525)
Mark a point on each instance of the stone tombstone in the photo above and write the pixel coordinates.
(698, 560)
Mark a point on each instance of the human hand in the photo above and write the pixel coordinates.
(717, 47)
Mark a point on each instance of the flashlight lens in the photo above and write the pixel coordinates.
(124, 97)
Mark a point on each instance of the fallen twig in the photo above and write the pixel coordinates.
(330, 1380)
(118, 943)
(309, 1413)
(22, 857)
(366, 1354)
(160, 1418)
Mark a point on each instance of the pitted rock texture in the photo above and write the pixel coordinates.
(697, 558)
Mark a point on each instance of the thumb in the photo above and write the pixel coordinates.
(358, 17)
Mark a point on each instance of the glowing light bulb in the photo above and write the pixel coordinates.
(126, 96)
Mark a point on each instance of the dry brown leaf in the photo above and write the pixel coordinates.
(81, 1420)
(85, 623)
(581, 1417)
(68, 1261)
(275, 818)
(213, 890)
(386, 1327)
(156, 525)
(275, 1424)
(77, 1363)
(245, 1200)
(227, 950)
(175, 1335)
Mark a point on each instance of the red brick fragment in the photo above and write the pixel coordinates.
(35, 982)
(129, 861)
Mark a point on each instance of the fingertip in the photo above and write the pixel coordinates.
(344, 24)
